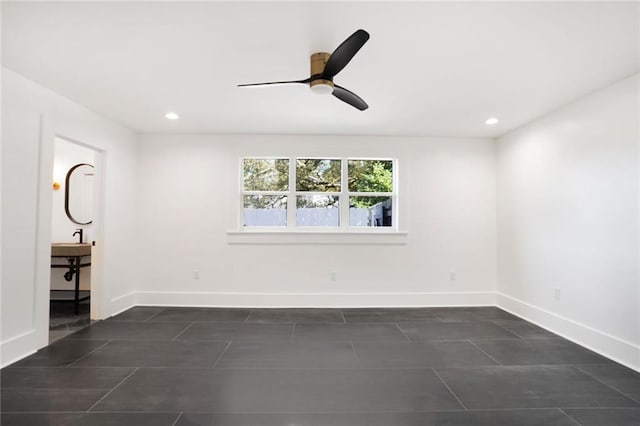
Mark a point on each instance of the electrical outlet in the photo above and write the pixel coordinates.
(196, 275)
(557, 293)
(333, 276)
(452, 276)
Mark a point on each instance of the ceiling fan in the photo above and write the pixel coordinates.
(325, 66)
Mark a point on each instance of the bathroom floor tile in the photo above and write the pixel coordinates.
(455, 418)
(61, 353)
(295, 315)
(289, 355)
(130, 330)
(120, 353)
(605, 416)
(539, 351)
(347, 332)
(530, 387)
(418, 354)
(57, 335)
(273, 391)
(237, 332)
(454, 331)
(62, 315)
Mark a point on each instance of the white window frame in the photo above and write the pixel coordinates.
(344, 227)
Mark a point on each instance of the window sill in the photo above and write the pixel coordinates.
(316, 238)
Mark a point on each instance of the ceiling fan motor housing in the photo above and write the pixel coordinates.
(317, 83)
(325, 66)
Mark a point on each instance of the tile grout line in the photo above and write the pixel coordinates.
(447, 386)
(570, 418)
(328, 412)
(155, 315)
(89, 353)
(368, 367)
(175, 422)
(114, 388)
(221, 354)
(507, 330)
(439, 318)
(402, 331)
(577, 367)
(305, 412)
(180, 334)
(353, 348)
(148, 319)
(484, 352)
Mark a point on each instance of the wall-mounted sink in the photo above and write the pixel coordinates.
(70, 249)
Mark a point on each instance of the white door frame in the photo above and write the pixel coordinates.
(48, 134)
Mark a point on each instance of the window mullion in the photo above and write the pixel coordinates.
(394, 200)
(344, 198)
(265, 193)
(291, 197)
(240, 201)
(371, 194)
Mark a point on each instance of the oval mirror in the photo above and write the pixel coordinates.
(78, 194)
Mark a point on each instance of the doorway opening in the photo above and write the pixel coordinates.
(74, 221)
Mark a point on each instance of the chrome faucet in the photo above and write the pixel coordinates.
(78, 231)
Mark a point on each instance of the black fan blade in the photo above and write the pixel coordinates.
(349, 97)
(305, 81)
(344, 53)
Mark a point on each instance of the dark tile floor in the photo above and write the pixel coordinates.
(64, 321)
(316, 367)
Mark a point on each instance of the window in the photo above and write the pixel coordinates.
(370, 192)
(328, 193)
(318, 184)
(265, 184)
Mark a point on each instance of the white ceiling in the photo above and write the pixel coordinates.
(435, 69)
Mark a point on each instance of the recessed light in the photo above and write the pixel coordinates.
(172, 116)
(491, 121)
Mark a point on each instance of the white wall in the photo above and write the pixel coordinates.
(189, 199)
(32, 116)
(568, 217)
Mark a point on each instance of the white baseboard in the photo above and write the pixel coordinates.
(314, 300)
(621, 351)
(17, 347)
(121, 304)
